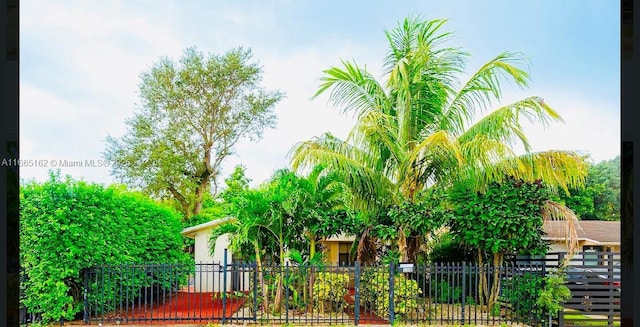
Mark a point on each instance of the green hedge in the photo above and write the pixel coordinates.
(68, 226)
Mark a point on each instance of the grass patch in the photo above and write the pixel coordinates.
(571, 318)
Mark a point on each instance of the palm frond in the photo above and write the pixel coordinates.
(368, 185)
(410, 35)
(376, 132)
(482, 163)
(555, 211)
(483, 86)
(504, 125)
(353, 89)
(434, 157)
(557, 169)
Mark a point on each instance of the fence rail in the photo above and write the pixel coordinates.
(434, 294)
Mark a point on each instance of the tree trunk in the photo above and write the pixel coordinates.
(402, 245)
(495, 287)
(182, 200)
(278, 299)
(482, 280)
(265, 294)
(312, 253)
(200, 189)
(413, 248)
(311, 282)
(312, 246)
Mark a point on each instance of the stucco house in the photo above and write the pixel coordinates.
(593, 236)
(337, 250)
(209, 275)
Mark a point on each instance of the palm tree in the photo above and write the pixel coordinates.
(415, 130)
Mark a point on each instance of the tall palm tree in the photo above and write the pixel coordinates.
(415, 129)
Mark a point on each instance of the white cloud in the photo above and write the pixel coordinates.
(105, 45)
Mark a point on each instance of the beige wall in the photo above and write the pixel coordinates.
(561, 247)
(208, 277)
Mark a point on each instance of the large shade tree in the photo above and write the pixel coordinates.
(192, 113)
(415, 129)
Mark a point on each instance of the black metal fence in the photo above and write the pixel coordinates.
(435, 294)
(594, 281)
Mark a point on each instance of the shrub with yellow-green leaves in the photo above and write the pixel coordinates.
(330, 288)
(376, 290)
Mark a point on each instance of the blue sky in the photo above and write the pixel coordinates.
(80, 62)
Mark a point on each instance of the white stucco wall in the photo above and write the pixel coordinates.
(209, 276)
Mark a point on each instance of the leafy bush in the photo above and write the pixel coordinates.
(330, 287)
(376, 290)
(69, 226)
(532, 294)
(522, 291)
(448, 249)
(444, 293)
(554, 294)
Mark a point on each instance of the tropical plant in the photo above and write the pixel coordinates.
(284, 214)
(414, 129)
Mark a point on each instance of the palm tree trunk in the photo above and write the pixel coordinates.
(265, 295)
(312, 253)
(279, 284)
(402, 245)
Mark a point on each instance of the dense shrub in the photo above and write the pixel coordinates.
(376, 290)
(534, 296)
(522, 292)
(448, 249)
(68, 226)
(330, 288)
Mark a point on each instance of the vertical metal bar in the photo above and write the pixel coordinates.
(464, 291)
(451, 289)
(286, 292)
(130, 300)
(439, 289)
(255, 291)
(476, 269)
(391, 308)
(151, 288)
(102, 297)
(85, 315)
(356, 286)
(224, 288)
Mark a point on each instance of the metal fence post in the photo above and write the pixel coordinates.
(356, 304)
(391, 280)
(224, 288)
(255, 291)
(85, 316)
(286, 293)
(464, 290)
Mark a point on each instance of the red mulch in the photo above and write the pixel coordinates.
(190, 307)
(366, 316)
(185, 307)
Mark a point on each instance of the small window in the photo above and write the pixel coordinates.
(590, 256)
(344, 254)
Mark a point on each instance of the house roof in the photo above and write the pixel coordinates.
(597, 231)
(340, 238)
(191, 232)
